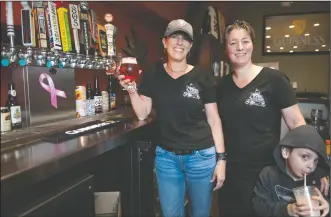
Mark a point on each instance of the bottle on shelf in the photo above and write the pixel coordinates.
(97, 96)
(112, 92)
(5, 120)
(90, 106)
(14, 108)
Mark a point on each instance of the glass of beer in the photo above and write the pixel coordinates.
(130, 69)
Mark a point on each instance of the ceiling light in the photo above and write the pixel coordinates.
(295, 47)
(269, 46)
(267, 28)
(307, 34)
(286, 36)
(291, 51)
(291, 26)
(316, 24)
(268, 51)
(281, 48)
(317, 50)
(268, 36)
(323, 45)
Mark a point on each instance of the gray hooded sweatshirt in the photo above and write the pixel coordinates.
(273, 191)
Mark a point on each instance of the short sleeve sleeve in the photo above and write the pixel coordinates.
(208, 84)
(145, 86)
(284, 93)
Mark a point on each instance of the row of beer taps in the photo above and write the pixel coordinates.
(51, 57)
(45, 57)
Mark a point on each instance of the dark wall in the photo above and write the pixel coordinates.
(311, 72)
(148, 24)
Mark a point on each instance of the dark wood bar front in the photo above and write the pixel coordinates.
(40, 178)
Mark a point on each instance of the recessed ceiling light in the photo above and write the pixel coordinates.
(316, 24)
(291, 51)
(268, 36)
(286, 36)
(291, 26)
(307, 34)
(268, 51)
(317, 50)
(295, 47)
(269, 46)
(281, 48)
(267, 28)
(323, 45)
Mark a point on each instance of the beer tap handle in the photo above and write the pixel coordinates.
(85, 32)
(53, 27)
(40, 23)
(75, 25)
(110, 32)
(64, 29)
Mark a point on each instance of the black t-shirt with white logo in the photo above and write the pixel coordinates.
(179, 105)
(251, 115)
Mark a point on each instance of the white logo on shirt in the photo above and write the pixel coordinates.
(284, 194)
(191, 92)
(255, 99)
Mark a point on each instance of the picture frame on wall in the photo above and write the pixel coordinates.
(296, 33)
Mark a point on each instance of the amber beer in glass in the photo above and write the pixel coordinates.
(130, 68)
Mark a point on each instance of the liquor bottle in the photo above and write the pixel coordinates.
(112, 92)
(90, 110)
(97, 96)
(14, 108)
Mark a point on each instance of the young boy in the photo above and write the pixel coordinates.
(300, 152)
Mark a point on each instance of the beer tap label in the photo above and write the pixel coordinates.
(40, 22)
(54, 26)
(38, 4)
(28, 38)
(84, 19)
(102, 40)
(94, 22)
(75, 24)
(49, 27)
(64, 29)
(74, 16)
(110, 32)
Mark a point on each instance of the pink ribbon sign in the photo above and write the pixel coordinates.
(51, 88)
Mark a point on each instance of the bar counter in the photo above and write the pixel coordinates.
(28, 162)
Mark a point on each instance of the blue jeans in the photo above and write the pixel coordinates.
(177, 173)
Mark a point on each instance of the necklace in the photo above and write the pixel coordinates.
(173, 71)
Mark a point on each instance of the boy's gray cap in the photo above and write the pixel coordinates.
(179, 25)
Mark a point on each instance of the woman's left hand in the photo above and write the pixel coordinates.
(325, 186)
(219, 174)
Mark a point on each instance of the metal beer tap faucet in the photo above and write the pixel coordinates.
(9, 56)
(25, 58)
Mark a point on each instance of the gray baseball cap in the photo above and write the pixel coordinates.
(179, 25)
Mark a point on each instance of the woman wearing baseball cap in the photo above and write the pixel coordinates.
(190, 153)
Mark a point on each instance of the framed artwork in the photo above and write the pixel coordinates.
(304, 33)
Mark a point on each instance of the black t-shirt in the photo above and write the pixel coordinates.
(179, 105)
(251, 115)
